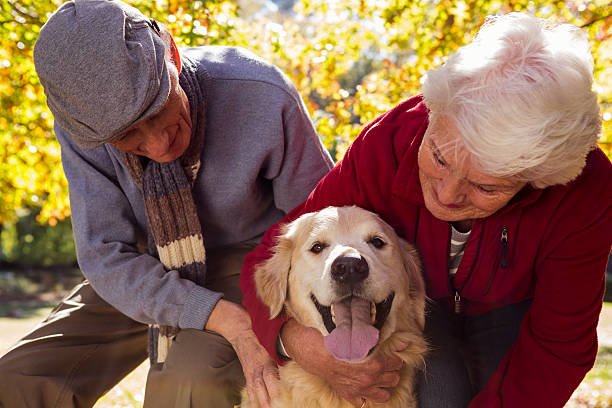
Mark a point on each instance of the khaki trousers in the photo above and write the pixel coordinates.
(85, 347)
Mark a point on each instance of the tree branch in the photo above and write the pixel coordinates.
(33, 18)
(595, 20)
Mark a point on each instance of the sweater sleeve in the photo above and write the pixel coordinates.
(557, 344)
(295, 167)
(107, 233)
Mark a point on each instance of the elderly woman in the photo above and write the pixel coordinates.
(495, 174)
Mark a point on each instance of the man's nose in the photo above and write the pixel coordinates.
(451, 189)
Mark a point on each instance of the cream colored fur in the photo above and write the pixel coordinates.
(288, 278)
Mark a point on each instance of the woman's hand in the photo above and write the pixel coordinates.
(261, 372)
(371, 380)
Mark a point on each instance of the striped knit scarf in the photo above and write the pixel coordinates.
(170, 208)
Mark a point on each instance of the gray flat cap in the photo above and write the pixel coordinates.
(102, 67)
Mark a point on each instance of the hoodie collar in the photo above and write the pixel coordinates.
(406, 183)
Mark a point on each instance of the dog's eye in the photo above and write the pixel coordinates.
(317, 247)
(377, 242)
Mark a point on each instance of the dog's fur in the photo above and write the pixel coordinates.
(294, 273)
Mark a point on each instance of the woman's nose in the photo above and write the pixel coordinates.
(451, 189)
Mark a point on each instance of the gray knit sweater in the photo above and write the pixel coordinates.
(261, 158)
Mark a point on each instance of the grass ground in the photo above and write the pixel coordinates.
(594, 392)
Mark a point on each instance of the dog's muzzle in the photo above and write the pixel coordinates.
(349, 270)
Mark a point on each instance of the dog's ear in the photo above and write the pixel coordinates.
(413, 266)
(271, 277)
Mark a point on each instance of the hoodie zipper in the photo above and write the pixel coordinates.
(458, 300)
(458, 303)
(504, 258)
(458, 306)
(504, 242)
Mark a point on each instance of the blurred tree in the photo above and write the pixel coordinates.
(28, 243)
(30, 170)
(350, 59)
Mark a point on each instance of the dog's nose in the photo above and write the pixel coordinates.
(349, 269)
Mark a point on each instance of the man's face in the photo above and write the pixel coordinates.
(456, 190)
(165, 135)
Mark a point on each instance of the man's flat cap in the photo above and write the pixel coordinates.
(102, 65)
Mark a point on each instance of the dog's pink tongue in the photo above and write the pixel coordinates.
(354, 336)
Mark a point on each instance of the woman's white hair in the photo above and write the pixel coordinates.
(520, 96)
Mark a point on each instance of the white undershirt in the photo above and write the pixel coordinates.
(457, 247)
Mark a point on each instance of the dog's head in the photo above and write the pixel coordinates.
(345, 272)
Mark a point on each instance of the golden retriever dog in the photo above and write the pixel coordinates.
(345, 272)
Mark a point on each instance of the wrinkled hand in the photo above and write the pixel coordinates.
(261, 372)
(372, 379)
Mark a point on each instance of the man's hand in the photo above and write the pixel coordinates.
(371, 380)
(261, 372)
(259, 369)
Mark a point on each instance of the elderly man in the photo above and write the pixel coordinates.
(167, 152)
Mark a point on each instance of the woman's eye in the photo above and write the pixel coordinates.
(485, 190)
(439, 160)
(317, 247)
(377, 242)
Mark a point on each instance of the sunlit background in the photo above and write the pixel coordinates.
(350, 59)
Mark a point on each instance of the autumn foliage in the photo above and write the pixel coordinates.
(350, 59)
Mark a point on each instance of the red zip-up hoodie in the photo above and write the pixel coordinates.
(555, 248)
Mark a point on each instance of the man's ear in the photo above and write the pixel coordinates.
(175, 57)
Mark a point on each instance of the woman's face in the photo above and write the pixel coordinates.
(453, 189)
